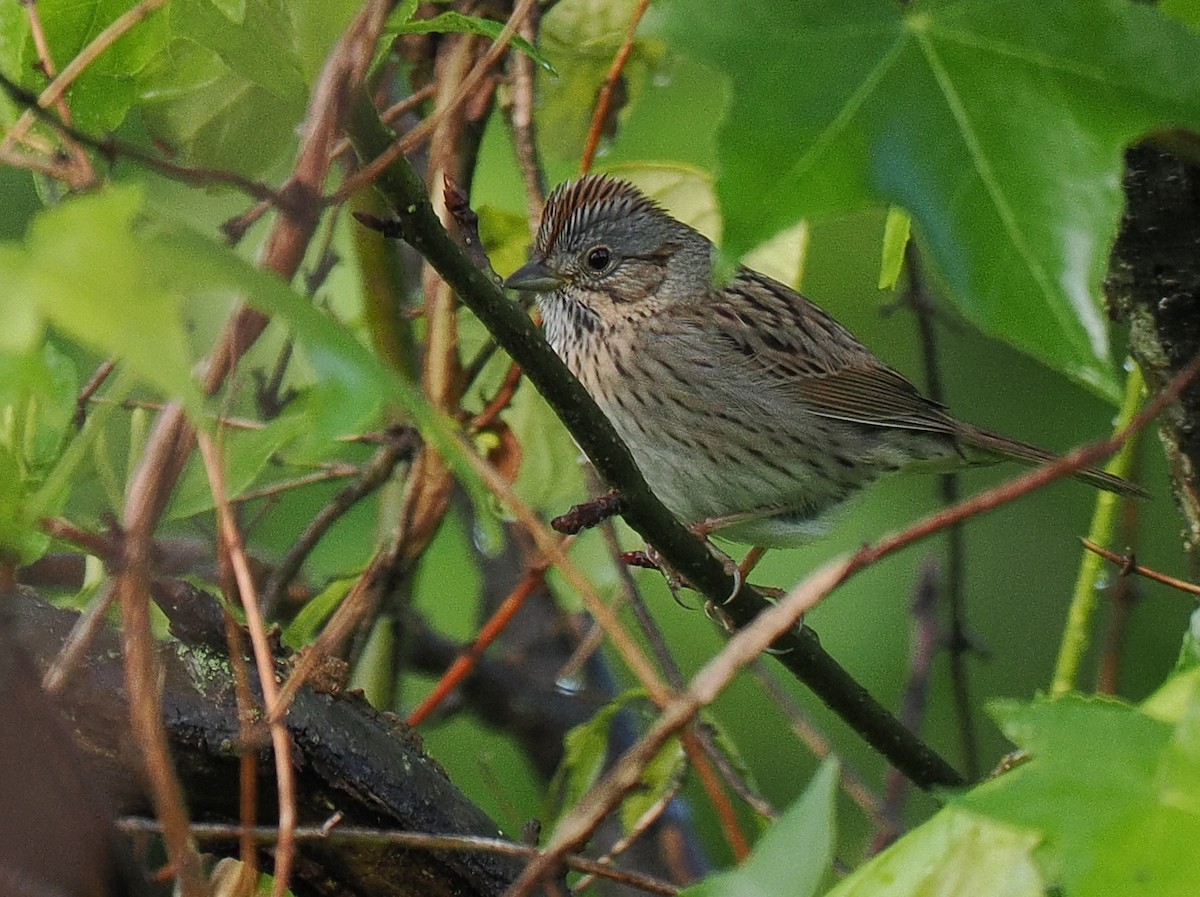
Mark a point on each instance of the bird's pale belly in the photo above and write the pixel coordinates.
(749, 493)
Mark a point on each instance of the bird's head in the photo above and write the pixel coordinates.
(607, 246)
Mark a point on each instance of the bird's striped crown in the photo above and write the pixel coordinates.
(576, 206)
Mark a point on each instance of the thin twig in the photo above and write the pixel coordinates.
(281, 739)
(1128, 564)
(89, 390)
(81, 167)
(604, 97)
(467, 659)
(806, 730)
(374, 474)
(711, 782)
(99, 44)
(348, 834)
(112, 148)
(550, 544)
(370, 172)
(247, 710)
(79, 639)
(925, 641)
(639, 827)
(334, 470)
(521, 121)
(331, 641)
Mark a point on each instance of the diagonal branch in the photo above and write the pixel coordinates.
(512, 329)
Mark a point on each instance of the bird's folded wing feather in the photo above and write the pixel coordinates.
(798, 348)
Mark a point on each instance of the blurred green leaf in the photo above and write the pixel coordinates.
(957, 852)
(225, 95)
(795, 854)
(1187, 11)
(1113, 792)
(37, 404)
(20, 540)
(260, 49)
(312, 616)
(1189, 651)
(998, 126)
(83, 270)
(895, 241)
(106, 89)
(585, 749)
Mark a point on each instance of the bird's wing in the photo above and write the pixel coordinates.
(795, 347)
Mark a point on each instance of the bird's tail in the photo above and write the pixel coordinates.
(999, 447)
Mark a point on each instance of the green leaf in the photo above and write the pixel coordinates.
(104, 92)
(999, 126)
(1113, 792)
(37, 403)
(464, 24)
(585, 752)
(84, 271)
(223, 95)
(20, 540)
(1189, 651)
(895, 241)
(795, 854)
(246, 453)
(260, 49)
(312, 616)
(580, 38)
(585, 748)
(957, 852)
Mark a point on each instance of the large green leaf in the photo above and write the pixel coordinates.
(956, 852)
(793, 856)
(998, 124)
(1113, 790)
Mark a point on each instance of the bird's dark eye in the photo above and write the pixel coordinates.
(598, 258)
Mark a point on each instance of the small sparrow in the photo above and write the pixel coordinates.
(751, 412)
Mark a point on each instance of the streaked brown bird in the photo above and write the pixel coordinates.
(750, 411)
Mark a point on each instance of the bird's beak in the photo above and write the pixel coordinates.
(535, 277)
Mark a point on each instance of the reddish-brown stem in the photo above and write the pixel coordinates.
(1128, 565)
(264, 660)
(604, 97)
(491, 630)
